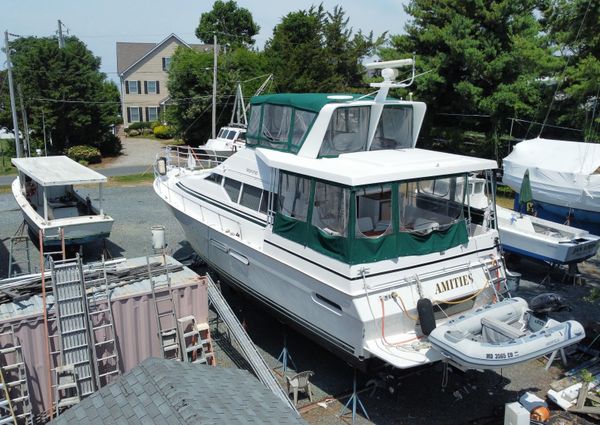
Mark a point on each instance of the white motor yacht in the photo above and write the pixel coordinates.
(332, 219)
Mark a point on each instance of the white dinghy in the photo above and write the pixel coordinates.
(503, 334)
(45, 193)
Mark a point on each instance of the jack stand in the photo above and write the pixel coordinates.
(354, 399)
(285, 356)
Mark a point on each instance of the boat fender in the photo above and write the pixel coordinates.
(547, 302)
(426, 317)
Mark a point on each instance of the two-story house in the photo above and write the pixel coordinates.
(142, 69)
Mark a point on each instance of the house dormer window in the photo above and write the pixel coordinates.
(133, 86)
(166, 63)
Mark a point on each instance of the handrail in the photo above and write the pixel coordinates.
(191, 158)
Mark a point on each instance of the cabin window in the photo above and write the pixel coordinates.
(251, 197)
(347, 131)
(232, 187)
(302, 122)
(242, 136)
(215, 178)
(395, 128)
(294, 192)
(374, 211)
(221, 132)
(433, 204)
(331, 209)
(231, 134)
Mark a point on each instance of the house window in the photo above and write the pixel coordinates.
(133, 87)
(134, 114)
(166, 62)
(152, 113)
(151, 87)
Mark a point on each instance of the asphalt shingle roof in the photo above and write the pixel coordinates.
(167, 392)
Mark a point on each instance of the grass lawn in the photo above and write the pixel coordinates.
(132, 180)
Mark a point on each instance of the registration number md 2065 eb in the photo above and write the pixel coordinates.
(499, 356)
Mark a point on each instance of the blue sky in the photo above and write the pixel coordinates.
(101, 23)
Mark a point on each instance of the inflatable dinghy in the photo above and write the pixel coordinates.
(503, 334)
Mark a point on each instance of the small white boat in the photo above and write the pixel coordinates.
(535, 237)
(229, 140)
(502, 334)
(44, 191)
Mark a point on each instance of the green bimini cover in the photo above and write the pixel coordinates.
(370, 250)
(313, 102)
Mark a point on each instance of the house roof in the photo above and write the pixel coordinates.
(160, 391)
(129, 54)
(57, 171)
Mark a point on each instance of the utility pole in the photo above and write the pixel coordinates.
(13, 107)
(26, 144)
(61, 40)
(214, 99)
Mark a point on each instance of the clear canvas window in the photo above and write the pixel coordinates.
(428, 205)
(276, 123)
(331, 209)
(302, 122)
(294, 193)
(347, 131)
(253, 123)
(394, 130)
(374, 211)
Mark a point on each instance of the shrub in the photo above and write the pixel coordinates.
(110, 145)
(163, 132)
(139, 125)
(84, 153)
(155, 124)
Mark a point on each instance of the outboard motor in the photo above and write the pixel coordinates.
(546, 303)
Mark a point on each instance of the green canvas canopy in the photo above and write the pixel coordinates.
(313, 102)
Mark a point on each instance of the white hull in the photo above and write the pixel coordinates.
(77, 229)
(543, 239)
(335, 306)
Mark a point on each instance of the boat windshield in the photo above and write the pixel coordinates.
(348, 130)
(395, 128)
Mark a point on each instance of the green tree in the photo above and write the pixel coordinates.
(573, 26)
(313, 50)
(190, 86)
(66, 87)
(485, 57)
(232, 24)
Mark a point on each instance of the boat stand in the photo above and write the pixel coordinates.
(354, 399)
(552, 357)
(285, 355)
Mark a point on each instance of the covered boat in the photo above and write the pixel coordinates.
(45, 193)
(502, 334)
(565, 180)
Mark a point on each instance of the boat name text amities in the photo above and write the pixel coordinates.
(453, 283)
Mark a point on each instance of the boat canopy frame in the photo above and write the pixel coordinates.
(350, 245)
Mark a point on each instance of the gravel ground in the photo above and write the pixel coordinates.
(414, 397)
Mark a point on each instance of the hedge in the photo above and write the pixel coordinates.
(89, 154)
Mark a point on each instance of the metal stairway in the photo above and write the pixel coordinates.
(496, 277)
(103, 336)
(166, 315)
(14, 375)
(249, 351)
(195, 340)
(71, 315)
